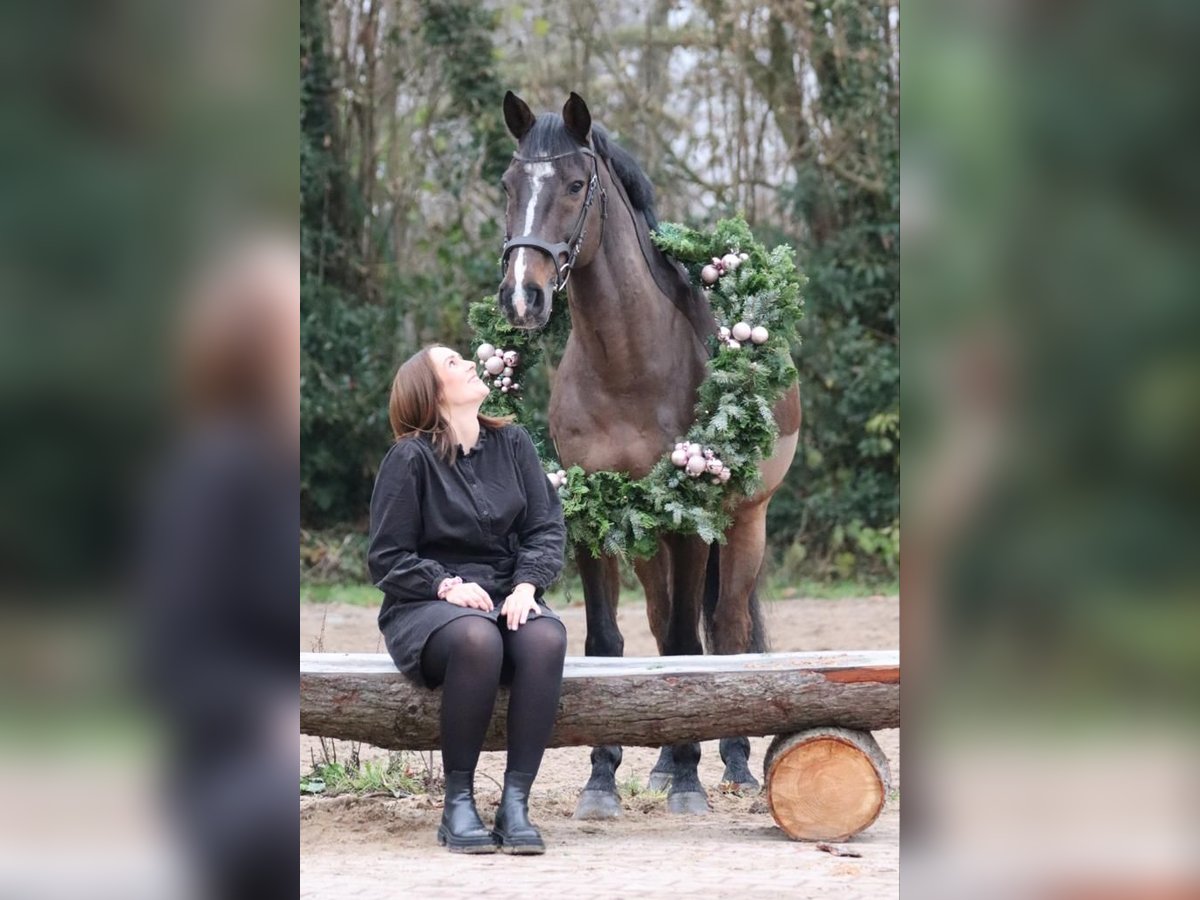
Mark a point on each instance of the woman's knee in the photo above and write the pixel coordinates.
(476, 638)
(542, 639)
(557, 639)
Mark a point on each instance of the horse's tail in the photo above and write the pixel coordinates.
(758, 633)
(712, 593)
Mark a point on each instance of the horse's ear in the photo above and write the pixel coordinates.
(577, 118)
(517, 115)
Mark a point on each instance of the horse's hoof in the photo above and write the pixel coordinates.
(741, 788)
(688, 803)
(597, 805)
(740, 782)
(659, 781)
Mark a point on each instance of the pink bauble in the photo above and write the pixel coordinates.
(725, 474)
(759, 334)
(562, 473)
(512, 358)
(695, 450)
(733, 345)
(716, 481)
(679, 458)
(741, 332)
(709, 274)
(708, 453)
(743, 256)
(494, 365)
(695, 465)
(485, 351)
(714, 467)
(514, 387)
(552, 477)
(508, 370)
(724, 333)
(731, 261)
(507, 382)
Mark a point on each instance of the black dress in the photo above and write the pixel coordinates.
(491, 517)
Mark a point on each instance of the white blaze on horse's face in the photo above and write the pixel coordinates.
(538, 172)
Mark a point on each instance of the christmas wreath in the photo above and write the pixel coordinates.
(755, 297)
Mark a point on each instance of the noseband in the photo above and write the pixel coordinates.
(570, 247)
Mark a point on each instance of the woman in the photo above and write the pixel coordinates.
(466, 535)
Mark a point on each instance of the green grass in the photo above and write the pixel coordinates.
(570, 593)
(354, 594)
(828, 590)
(392, 776)
(632, 787)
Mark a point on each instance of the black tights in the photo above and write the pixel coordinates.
(469, 658)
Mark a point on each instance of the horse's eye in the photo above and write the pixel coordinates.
(576, 187)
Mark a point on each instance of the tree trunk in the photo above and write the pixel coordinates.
(646, 702)
(825, 784)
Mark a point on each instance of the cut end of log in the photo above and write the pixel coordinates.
(826, 784)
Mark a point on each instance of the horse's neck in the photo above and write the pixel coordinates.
(624, 329)
(627, 383)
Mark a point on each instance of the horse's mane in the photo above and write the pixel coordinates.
(549, 137)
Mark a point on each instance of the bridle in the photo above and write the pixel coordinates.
(570, 247)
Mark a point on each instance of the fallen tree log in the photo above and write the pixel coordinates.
(826, 784)
(635, 701)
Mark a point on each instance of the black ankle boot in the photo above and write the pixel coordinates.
(461, 829)
(513, 829)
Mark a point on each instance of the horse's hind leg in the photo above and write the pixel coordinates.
(681, 571)
(736, 626)
(601, 590)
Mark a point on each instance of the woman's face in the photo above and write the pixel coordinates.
(461, 386)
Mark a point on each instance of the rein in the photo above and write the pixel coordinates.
(569, 248)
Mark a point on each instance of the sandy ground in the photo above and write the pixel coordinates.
(383, 847)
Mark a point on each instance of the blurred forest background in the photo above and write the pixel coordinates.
(786, 111)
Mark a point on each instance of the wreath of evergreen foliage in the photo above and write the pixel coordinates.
(609, 512)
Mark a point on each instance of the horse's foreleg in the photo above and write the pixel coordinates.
(681, 573)
(601, 591)
(655, 575)
(734, 626)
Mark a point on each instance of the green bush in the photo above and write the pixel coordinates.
(333, 557)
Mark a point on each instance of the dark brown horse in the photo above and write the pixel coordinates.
(580, 213)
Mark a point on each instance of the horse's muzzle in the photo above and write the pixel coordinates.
(528, 307)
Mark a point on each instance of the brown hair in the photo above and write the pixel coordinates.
(415, 405)
(228, 337)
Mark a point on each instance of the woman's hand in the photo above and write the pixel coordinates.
(470, 595)
(520, 605)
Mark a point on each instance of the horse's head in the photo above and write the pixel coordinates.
(551, 222)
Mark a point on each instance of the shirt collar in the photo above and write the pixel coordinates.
(483, 438)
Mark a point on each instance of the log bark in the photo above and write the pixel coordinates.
(826, 784)
(648, 701)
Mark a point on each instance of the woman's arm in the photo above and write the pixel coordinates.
(395, 567)
(543, 535)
